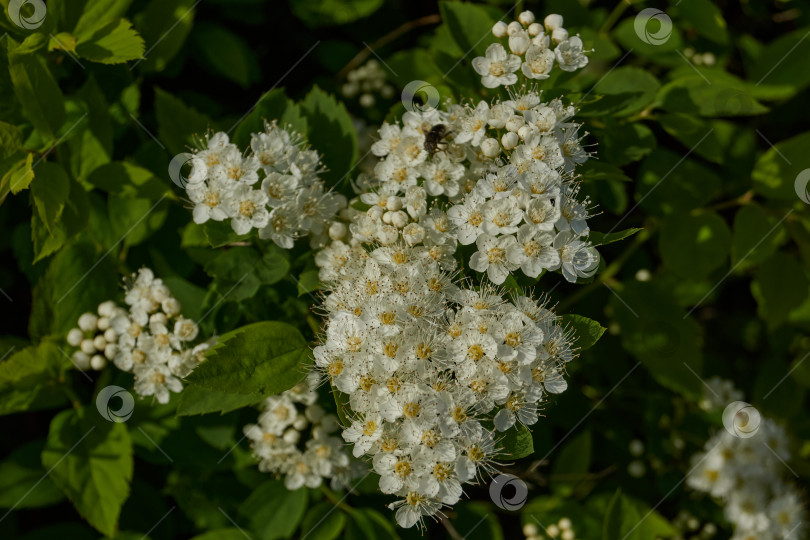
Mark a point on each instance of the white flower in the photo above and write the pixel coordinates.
(577, 258)
(533, 251)
(538, 64)
(246, 207)
(497, 67)
(491, 257)
(209, 198)
(570, 56)
(154, 379)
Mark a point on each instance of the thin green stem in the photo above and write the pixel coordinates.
(614, 16)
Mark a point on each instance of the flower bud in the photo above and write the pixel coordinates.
(88, 347)
(553, 21)
(98, 362)
(99, 343)
(292, 436)
(519, 42)
(510, 140)
(337, 230)
(399, 219)
(110, 351)
(106, 309)
(87, 322)
(525, 132)
(413, 233)
(75, 337)
(535, 29)
(103, 323)
(490, 147)
(393, 203)
(81, 360)
(499, 29)
(513, 27)
(171, 307)
(526, 18)
(559, 35)
(514, 123)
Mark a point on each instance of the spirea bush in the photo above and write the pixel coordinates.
(515, 281)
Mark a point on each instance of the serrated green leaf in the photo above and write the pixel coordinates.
(469, 24)
(128, 180)
(756, 236)
(226, 53)
(36, 89)
(601, 239)
(587, 330)
(24, 482)
(693, 246)
(115, 43)
(517, 442)
(261, 358)
(706, 18)
(571, 463)
(273, 511)
(50, 192)
(775, 172)
(198, 400)
(164, 25)
(331, 132)
(668, 184)
(780, 286)
(178, 123)
(323, 522)
(29, 377)
(308, 282)
(20, 176)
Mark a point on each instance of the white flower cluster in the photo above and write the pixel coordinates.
(367, 80)
(151, 339)
(276, 441)
(748, 475)
(521, 210)
(530, 45)
(291, 202)
(563, 530)
(717, 393)
(424, 362)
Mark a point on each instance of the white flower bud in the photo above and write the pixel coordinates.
(559, 35)
(490, 147)
(158, 318)
(375, 212)
(514, 123)
(300, 422)
(564, 523)
(87, 346)
(510, 140)
(387, 218)
(366, 100)
(567, 534)
(98, 362)
(103, 323)
(530, 529)
(535, 29)
(399, 219)
(110, 351)
(387, 234)
(106, 309)
(525, 132)
(499, 29)
(393, 203)
(553, 21)
(636, 469)
(87, 322)
(81, 360)
(75, 337)
(636, 447)
(314, 413)
(552, 530)
(526, 18)
(160, 292)
(413, 233)
(541, 40)
(338, 230)
(110, 335)
(99, 343)
(292, 436)
(519, 42)
(171, 307)
(513, 27)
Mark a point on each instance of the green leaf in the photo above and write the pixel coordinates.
(706, 18)
(226, 54)
(694, 133)
(780, 285)
(91, 462)
(134, 219)
(637, 89)
(127, 180)
(10, 140)
(24, 482)
(517, 442)
(244, 269)
(273, 511)
(198, 400)
(572, 463)
(710, 92)
(273, 105)
(601, 239)
(323, 522)
(775, 173)
(308, 282)
(659, 43)
(92, 147)
(756, 237)
(331, 132)
(782, 64)
(177, 122)
(261, 358)
(29, 378)
(668, 183)
(628, 518)
(115, 43)
(164, 25)
(97, 14)
(587, 330)
(693, 246)
(369, 524)
(625, 143)
(222, 534)
(20, 175)
(470, 25)
(37, 91)
(317, 13)
(50, 192)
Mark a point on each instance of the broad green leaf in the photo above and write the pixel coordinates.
(710, 92)
(226, 53)
(164, 25)
(476, 521)
(693, 246)
(621, 144)
(670, 183)
(30, 377)
(134, 219)
(24, 482)
(90, 460)
(261, 358)
(470, 25)
(128, 181)
(178, 123)
(323, 522)
(369, 524)
(198, 400)
(621, 520)
(331, 132)
(317, 13)
(222, 534)
(98, 14)
(273, 105)
(706, 18)
(517, 442)
(115, 43)
(780, 285)
(10, 140)
(756, 236)
(273, 511)
(37, 91)
(92, 147)
(781, 67)
(587, 330)
(46, 242)
(601, 239)
(571, 463)
(776, 171)
(50, 192)
(190, 296)
(694, 133)
(594, 170)
(20, 176)
(308, 282)
(244, 269)
(220, 233)
(655, 41)
(636, 87)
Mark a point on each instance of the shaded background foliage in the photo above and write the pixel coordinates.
(716, 283)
